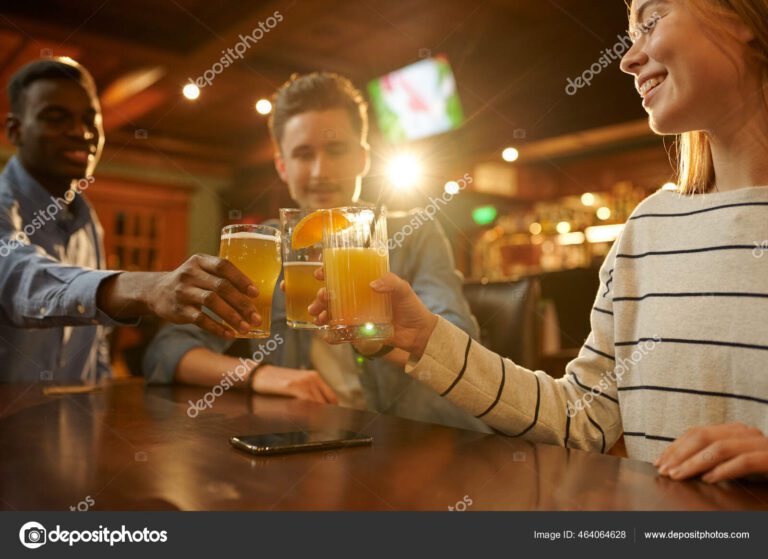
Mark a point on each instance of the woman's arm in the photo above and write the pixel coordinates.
(717, 453)
(580, 410)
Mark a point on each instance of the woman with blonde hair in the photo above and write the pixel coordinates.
(677, 360)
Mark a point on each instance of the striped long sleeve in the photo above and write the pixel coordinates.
(679, 337)
(580, 410)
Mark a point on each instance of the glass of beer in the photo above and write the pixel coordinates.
(355, 253)
(299, 266)
(255, 250)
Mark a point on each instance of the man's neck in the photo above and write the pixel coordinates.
(56, 186)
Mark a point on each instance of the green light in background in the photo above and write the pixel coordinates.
(368, 329)
(483, 215)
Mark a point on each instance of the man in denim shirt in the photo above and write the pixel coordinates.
(319, 129)
(56, 300)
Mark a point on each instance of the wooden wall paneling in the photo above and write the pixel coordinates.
(145, 225)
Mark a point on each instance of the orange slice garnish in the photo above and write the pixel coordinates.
(309, 231)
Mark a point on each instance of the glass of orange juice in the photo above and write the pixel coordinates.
(255, 250)
(354, 254)
(299, 266)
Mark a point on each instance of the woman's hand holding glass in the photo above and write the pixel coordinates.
(413, 322)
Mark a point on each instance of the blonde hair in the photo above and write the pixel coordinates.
(696, 172)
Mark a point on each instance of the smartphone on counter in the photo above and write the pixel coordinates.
(298, 441)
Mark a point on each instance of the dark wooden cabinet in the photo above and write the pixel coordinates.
(145, 225)
(145, 229)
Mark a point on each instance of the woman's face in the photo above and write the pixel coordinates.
(689, 76)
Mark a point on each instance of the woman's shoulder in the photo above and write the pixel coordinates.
(664, 202)
(660, 202)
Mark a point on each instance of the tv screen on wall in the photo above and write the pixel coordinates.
(417, 101)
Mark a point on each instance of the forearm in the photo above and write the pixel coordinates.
(203, 367)
(39, 292)
(416, 343)
(124, 295)
(397, 357)
(516, 400)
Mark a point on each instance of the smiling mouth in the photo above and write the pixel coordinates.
(650, 84)
(323, 191)
(79, 156)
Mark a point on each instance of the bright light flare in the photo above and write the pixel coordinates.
(263, 106)
(452, 187)
(404, 171)
(191, 91)
(510, 154)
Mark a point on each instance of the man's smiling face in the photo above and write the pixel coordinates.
(59, 132)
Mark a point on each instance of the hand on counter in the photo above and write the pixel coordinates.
(296, 383)
(717, 453)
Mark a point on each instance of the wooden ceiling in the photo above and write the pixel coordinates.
(511, 58)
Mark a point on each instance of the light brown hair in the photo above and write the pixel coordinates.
(318, 91)
(696, 172)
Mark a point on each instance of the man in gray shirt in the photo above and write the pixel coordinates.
(319, 129)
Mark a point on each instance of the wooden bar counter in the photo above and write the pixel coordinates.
(131, 447)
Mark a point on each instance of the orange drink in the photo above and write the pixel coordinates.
(255, 250)
(354, 254)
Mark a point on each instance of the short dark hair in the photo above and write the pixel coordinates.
(317, 91)
(47, 69)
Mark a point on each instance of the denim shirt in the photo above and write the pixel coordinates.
(424, 259)
(50, 327)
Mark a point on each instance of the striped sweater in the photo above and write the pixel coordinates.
(679, 337)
